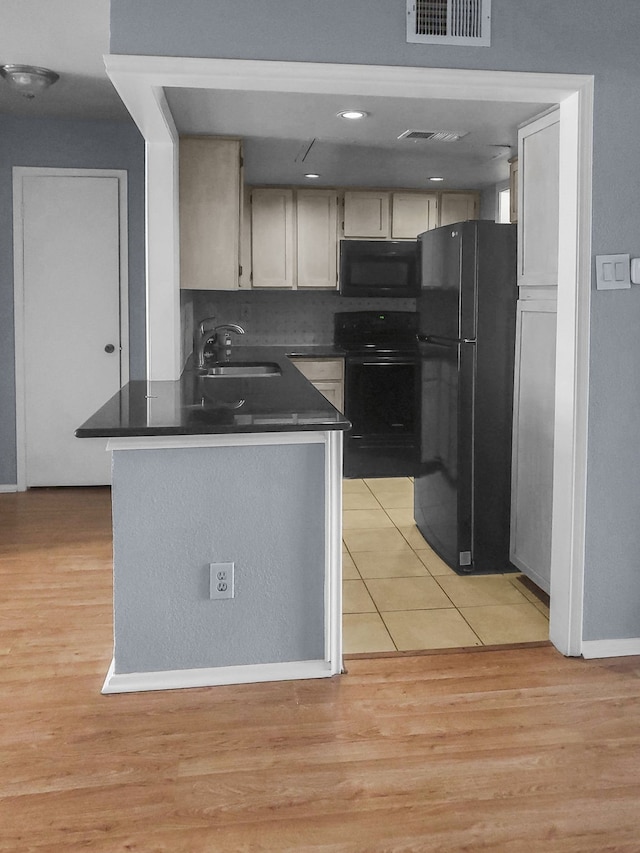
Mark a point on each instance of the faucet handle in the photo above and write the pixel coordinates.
(208, 321)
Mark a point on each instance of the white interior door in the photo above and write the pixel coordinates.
(71, 278)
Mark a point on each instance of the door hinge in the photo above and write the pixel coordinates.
(240, 270)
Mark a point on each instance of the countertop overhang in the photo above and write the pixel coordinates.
(197, 405)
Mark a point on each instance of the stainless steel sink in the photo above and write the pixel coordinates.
(241, 369)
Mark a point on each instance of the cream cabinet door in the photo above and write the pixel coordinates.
(458, 207)
(533, 425)
(210, 205)
(326, 375)
(538, 198)
(513, 189)
(333, 391)
(366, 214)
(413, 213)
(272, 238)
(317, 239)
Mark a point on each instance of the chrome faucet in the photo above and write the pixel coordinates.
(206, 331)
(223, 338)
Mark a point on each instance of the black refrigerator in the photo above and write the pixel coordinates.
(467, 317)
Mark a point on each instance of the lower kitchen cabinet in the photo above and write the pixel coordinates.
(325, 374)
(533, 425)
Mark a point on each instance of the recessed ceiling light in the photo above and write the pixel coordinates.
(435, 178)
(312, 175)
(353, 114)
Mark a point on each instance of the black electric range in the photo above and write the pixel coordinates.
(381, 391)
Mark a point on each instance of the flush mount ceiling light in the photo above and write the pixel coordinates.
(313, 175)
(28, 80)
(436, 178)
(353, 114)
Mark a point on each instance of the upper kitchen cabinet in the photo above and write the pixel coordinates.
(366, 214)
(210, 212)
(388, 215)
(513, 189)
(294, 238)
(272, 238)
(317, 239)
(538, 172)
(458, 207)
(413, 213)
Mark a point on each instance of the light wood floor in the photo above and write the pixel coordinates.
(494, 750)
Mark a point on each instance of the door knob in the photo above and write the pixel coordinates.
(109, 348)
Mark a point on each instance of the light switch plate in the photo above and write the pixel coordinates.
(613, 272)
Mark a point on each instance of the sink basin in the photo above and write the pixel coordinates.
(241, 369)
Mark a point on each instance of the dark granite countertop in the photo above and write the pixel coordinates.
(316, 351)
(196, 405)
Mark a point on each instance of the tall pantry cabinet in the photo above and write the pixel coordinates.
(534, 381)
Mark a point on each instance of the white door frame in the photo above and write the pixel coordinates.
(19, 173)
(140, 81)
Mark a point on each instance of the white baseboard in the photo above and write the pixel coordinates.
(131, 682)
(8, 487)
(610, 648)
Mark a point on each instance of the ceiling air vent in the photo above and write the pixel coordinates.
(462, 22)
(433, 135)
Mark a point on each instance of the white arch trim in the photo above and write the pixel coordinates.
(140, 81)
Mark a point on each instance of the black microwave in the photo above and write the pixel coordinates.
(379, 268)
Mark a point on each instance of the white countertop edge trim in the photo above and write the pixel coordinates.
(161, 442)
(132, 682)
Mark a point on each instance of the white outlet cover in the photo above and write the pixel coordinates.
(221, 581)
(613, 272)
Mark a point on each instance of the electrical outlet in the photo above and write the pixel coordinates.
(221, 578)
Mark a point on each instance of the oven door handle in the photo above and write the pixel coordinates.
(382, 362)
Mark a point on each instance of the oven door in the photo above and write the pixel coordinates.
(380, 399)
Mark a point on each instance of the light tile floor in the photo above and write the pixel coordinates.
(398, 595)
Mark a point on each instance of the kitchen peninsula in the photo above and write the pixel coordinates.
(239, 474)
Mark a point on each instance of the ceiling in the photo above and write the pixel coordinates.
(70, 37)
(285, 135)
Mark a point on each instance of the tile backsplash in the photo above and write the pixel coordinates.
(284, 317)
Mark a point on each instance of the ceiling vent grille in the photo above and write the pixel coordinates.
(461, 22)
(433, 135)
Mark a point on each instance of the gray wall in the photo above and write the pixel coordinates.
(65, 144)
(176, 511)
(574, 36)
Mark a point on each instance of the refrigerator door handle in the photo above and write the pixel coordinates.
(442, 342)
(429, 339)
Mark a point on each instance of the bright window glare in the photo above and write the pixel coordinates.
(504, 207)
